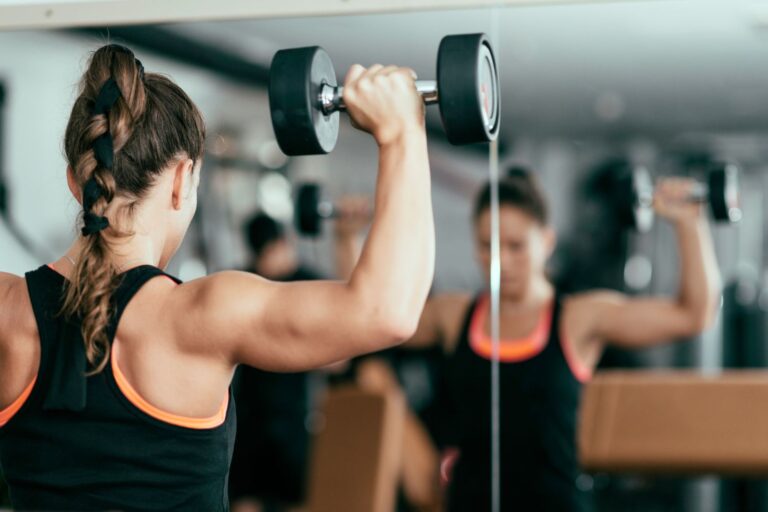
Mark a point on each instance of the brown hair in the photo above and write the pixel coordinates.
(152, 123)
(518, 188)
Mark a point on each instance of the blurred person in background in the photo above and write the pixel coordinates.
(275, 410)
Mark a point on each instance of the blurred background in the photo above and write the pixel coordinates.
(586, 88)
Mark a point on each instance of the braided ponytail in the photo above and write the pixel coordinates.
(113, 153)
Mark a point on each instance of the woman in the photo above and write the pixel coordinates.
(549, 346)
(115, 389)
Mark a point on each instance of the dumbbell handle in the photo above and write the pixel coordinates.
(326, 210)
(698, 194)
(332, 96)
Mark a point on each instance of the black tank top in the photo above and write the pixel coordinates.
(78, 443)
(539, 400)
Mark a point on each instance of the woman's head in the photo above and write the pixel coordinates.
(526, 239)
(133, 143)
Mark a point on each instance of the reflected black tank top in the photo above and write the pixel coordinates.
(539, 401)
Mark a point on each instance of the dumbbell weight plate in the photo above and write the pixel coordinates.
(295, 79)
(633, 197)
(468, 89)
(308, 220)
(642, 210)
(724, 194)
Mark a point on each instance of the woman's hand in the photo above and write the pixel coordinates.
(672, 201)
(383, 101)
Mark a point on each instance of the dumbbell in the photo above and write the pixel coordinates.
(305, 98)
(720, 191)
(311, 209)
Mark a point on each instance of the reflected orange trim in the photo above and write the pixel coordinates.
(10, 411)
(581, 371)
(510, 351)
(166, 417)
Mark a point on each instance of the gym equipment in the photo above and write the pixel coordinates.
(720, 191)
(675, 422)
(305, 98)
(310, 210)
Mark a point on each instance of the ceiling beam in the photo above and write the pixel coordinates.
(181, 48)
(18, 14)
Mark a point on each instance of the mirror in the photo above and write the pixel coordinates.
(590, 92)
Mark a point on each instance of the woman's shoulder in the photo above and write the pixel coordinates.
(591, 300)
(15, 307)
(19, 349)
(13, 290)
(453, 301)
(7, 280)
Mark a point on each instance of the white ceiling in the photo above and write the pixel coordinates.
(649, 68)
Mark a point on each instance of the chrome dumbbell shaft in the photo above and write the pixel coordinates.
(332, 96)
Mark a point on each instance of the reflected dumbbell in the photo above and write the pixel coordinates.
(305, 98)
(311, 209)
(720, 191)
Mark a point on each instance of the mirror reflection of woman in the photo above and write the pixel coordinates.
(550, 345)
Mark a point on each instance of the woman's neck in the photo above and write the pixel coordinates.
(125, 254)
(538, 293)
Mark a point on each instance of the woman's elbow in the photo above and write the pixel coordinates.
(390, 323)
(396, 328)
(392, 319)
(403, 329)
(704, 319)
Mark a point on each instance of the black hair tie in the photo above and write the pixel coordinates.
(103, 149)
(108, 95)
(93, 223)
(103, 146)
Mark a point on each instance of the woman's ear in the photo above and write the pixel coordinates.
(183, 182)
(74, 188)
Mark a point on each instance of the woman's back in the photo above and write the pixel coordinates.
(91, 443)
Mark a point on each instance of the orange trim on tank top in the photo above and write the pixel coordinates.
(173, 419)
(510, 351)
(581, 371)
(10, 411)
(132, 396)
(138, 401)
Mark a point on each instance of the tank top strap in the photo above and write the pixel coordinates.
(60, 348)
(63, 363)
(130, 284)
(466, 325)
(554, 345)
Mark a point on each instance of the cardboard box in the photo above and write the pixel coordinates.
(675, 422)
(356, 456)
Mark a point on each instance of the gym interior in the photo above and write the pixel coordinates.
(598, 101)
